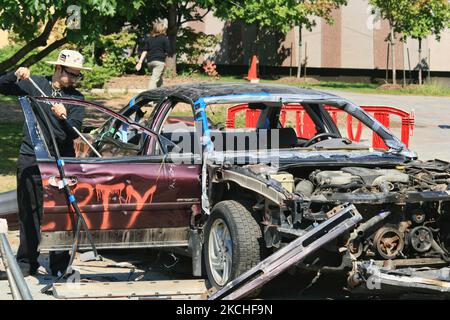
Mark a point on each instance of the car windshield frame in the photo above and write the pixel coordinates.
(385, 134)
(33, 126)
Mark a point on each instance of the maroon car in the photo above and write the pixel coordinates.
(169, 171)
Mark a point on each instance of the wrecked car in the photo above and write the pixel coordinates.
(169, 170)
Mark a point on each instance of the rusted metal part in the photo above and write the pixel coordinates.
(272, 193)
(343, 218)
(417, 262)
(195, 249)
(379, 279)
(389, 242)
(118, 239)
(206, 205)
(378, 197)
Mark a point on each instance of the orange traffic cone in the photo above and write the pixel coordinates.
(252, 72)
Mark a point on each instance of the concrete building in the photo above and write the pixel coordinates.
(354, 45)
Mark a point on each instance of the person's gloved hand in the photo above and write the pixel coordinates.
(23, 73)
(60, 111)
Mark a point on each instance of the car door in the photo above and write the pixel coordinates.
(130, 197)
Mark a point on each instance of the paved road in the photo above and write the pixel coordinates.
(429, 140)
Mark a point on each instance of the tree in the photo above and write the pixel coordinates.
(180, 13)
(426, 17)
(417, 18)
(33, 22)
(392, 11)
(279, 14)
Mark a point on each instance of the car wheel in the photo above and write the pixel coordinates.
(232, 242)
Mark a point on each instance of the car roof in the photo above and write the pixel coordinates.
(194, 91)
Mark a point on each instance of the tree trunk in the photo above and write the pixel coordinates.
(420, 61)
(257, 43)
(172, 31)
(40, 41)
(256, 50)
(306, 60)
(404, 69)
(394, 73)
(299, 56)
(42, 54)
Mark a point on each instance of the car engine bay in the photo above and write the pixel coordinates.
(405, 208)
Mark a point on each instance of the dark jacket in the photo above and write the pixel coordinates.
(62, 128)
(158, 48)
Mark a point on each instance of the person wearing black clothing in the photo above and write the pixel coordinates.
(29, 184)
(155, 48)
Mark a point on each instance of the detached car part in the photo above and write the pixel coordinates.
(341, 219)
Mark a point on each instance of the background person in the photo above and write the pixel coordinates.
(29, 185)
(156, 49)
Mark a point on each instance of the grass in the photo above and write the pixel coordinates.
(432, 89)
(427, 90)
(11, 100)
(344, 86)
(7, 183)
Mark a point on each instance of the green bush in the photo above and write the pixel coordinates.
(115, 47)
(96, 78)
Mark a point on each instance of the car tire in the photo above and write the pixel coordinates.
(233, 223)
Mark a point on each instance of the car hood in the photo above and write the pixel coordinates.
(308, 157)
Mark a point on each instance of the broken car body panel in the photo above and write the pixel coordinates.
(289, 188)
(119, 195)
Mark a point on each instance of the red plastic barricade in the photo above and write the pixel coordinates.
(305, 127)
